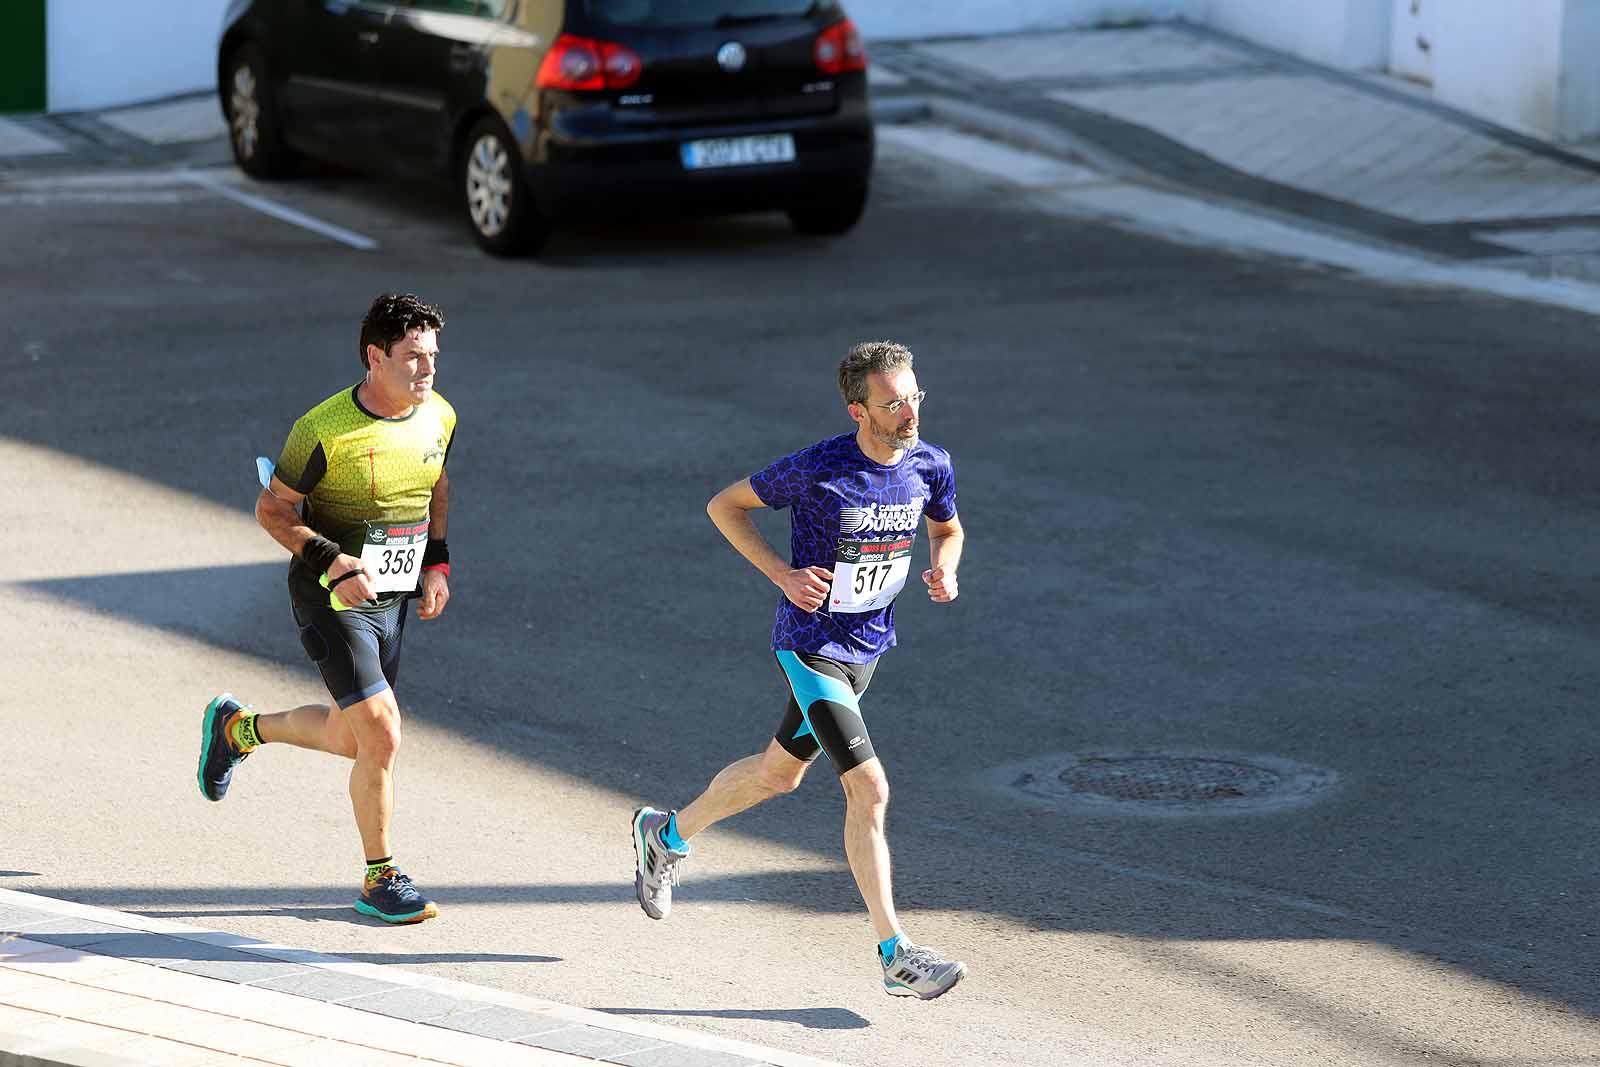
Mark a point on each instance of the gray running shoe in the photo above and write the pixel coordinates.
(917, 972)
(655, 865)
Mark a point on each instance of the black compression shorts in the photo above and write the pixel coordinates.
(358, 652)
(823, 713)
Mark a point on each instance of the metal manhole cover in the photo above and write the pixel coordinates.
(1165, 782)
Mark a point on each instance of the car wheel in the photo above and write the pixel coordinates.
(832, 212)
(255, 126)
(500, 208)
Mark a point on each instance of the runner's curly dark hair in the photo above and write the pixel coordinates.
(392, 316)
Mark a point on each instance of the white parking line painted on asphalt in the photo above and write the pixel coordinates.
(127, 187)
(42, 198)
(278, 211)
(111, 179)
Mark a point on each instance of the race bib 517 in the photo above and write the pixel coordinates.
(868, 575)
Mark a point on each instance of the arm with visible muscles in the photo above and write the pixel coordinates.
(730, 509)
(944, 551)
(278, 513)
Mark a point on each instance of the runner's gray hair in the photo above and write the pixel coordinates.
(869, 357)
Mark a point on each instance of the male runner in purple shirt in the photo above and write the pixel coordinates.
(856, 502)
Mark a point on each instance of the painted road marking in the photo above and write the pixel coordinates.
(164, 187)
(278, 211)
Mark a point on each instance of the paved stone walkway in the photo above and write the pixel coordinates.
(88, 987)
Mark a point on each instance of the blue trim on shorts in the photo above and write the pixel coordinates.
(361, 694)
(810, 686)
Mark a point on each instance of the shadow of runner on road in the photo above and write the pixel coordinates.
(810, 1018)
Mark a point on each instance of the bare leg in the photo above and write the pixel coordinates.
(742, 785)
(866, 792)
(312, 726)
(375, 725)
(367, 732)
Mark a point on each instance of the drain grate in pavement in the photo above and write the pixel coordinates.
(1166, 779)
(1165, 782)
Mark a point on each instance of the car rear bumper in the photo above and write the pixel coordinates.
(644, 173)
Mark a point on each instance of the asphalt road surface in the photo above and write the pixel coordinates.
(1225, 516)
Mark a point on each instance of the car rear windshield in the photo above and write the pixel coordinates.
(680, 13)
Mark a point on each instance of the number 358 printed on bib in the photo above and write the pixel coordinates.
(393, 555)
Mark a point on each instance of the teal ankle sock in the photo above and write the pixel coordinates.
(886, 949)
(669, 835)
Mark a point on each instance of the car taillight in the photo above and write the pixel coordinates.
(839, 49)
(580, 63)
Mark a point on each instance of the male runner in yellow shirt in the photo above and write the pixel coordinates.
(360, 498)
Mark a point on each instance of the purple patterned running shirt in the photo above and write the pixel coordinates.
(859, 519)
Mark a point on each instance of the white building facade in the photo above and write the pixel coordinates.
(1526, 64)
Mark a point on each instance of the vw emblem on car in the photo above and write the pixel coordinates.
(731, 57)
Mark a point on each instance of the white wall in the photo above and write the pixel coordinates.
(1578, 113)
(1340, 33)
(886, 20)
(1502, 61)
(100, 53)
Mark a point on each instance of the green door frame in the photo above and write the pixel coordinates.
(22, 56)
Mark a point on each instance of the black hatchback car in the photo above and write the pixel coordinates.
(543, 110)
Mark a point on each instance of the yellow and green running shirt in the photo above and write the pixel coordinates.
(356, 469)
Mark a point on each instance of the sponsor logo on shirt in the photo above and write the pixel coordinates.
(879, 518)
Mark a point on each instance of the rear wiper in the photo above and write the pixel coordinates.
(746, 20)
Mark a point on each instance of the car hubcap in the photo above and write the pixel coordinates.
(245, 112)
(489, 185)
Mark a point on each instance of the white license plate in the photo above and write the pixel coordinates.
(738, 151)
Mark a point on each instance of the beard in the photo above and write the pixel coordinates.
(890, 437)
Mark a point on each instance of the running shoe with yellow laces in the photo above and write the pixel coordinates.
(219, 755)
(390, 896)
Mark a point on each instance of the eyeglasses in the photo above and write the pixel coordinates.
(893, 407)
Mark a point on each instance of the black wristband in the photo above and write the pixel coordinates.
(351, 573)
(319, 553)
(438, 551)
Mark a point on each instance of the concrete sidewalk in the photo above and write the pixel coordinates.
(88, 987)
(1197, 138)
